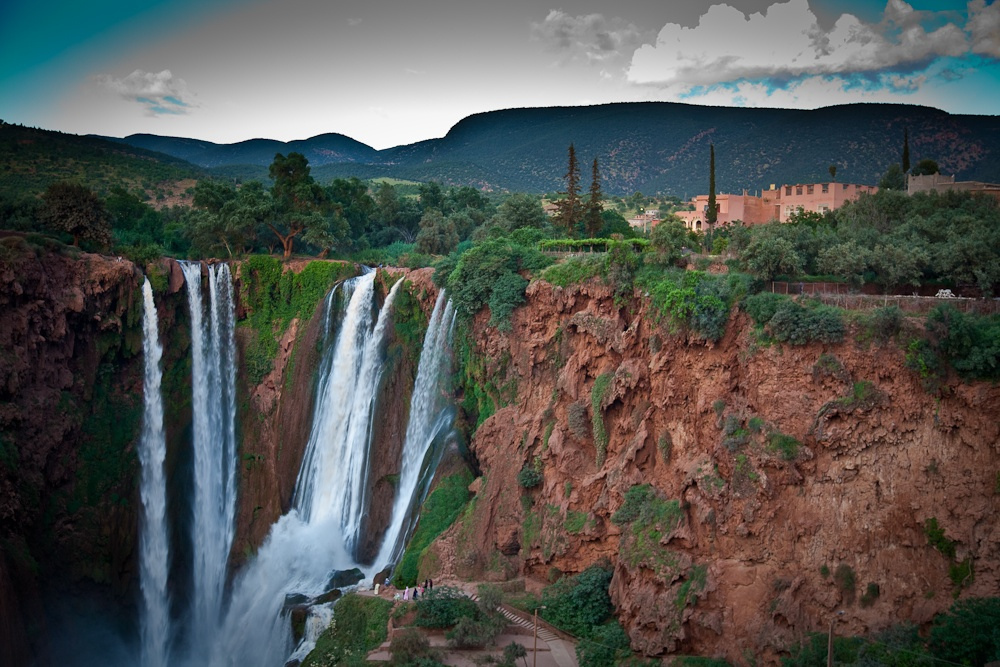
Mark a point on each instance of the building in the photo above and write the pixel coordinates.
(941, 183)
(775, 203)
(813, 197)
(749, 209)
(644, 222)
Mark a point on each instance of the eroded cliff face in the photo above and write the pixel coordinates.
(745, 540)
(70, 412)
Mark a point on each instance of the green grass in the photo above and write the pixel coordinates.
(360, 624)
(442, 507)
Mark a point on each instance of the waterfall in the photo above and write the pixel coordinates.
(315, 538)
(213, 405)
(154, 556)
(334, 472)
(429, 417)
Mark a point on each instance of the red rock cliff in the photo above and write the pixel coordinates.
(766, 538)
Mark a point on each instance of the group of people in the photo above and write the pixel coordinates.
(408, 593)
(417, 591)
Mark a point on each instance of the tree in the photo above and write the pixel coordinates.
(894, 265)
(74, 209)
(299, 206)
(592, 220)
(845, 260)
(357, 206)
(431, 196)
(833, 173)
(521, 210)
(767, 257)
(893, 179)
(925, 167)
(969, 634)
(905, 161)
(570, 208)
(712, 215)
(437, 234)
(667, 240)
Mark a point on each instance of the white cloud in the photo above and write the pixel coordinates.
(984, 25)
(591, 36)
(158, 92)
(786, 43)
(354, 22)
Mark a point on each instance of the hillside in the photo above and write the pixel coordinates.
(646, 147)
(32, 159)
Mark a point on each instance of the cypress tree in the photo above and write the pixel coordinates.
(713, 214)
(592, 217)
(570, 208)
(906, 150)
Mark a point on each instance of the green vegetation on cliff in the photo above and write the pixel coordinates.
(360, 624)
(273, 296)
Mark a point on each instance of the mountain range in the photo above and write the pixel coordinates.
(653, 147)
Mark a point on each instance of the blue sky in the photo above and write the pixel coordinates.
(389, 73)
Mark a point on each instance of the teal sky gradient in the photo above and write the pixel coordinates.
(389, 73)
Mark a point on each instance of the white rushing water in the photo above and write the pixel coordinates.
(334, 471)
(429, 418)
(154, 554)
(213, 407)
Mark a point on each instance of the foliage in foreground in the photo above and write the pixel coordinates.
(439, 511)
(359, 625)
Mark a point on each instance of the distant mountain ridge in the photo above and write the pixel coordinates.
(649, 147)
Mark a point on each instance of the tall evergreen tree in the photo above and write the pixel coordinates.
(712, 215)
(592, 220)
(570, 207)
(906, 150)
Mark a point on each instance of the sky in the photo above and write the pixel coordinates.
(393, 73)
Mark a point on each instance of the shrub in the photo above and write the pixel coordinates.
(442, 607)
(607, 646)
(573, 271)
(797, 325)
(579, 603)
(529, 477)
(785, 446)
(883, 324)
(870, 595)
(762, 307)
(597, 395)
(576, 414)
(508, 294)
(968, 633)
(936, 538)
(845, 580)
(411, 647)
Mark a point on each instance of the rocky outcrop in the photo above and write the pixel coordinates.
(70, 411)
(785, 483)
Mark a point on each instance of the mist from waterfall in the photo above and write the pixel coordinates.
(154, 550)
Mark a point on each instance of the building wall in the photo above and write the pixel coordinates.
(816, 197)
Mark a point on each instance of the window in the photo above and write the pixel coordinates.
(798, 189)
(788, 190)
(826, 188)
(809, 189)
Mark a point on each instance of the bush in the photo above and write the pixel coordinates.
(969, 633)
(573, 271)
(360, 624)
(762, 307)
(883, 324)
(785, 446)
(578, 604)
(529, 477)
(845, 580)
(797, 325)
(607, 646)
(576, 415)
(508, 294)
(597, 395)
(410, 647)
(443, 606)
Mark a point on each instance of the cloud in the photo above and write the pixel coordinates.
(786, 44)
(354, 22)
(158, 92)
(591, 37)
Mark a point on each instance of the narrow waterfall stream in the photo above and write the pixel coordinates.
(213, 405)
(154, 555)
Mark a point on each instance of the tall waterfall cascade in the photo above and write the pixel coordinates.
(213, 383)
(429, 418)
(243, 620)
(154, 554)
